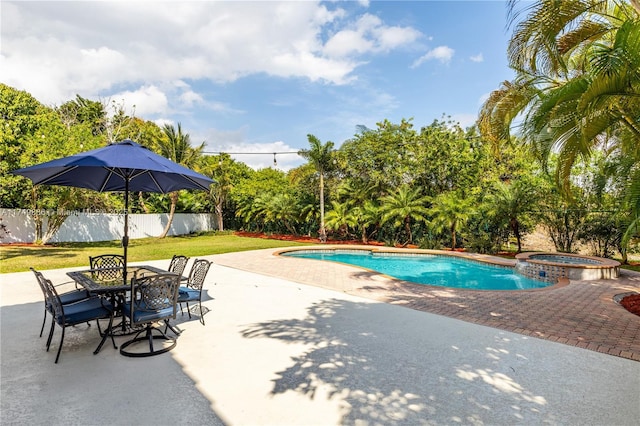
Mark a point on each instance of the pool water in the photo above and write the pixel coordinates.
(444, 271)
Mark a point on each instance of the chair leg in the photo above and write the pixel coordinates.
(60, 348)
(172, 328)
(44, 320)
(53, 324)
(108, 332)
(201, 314)
(188, 310)
(149, 336)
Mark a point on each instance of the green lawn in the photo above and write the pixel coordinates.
(66, 255)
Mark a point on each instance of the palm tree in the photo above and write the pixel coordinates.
(578, 79)
(512, 202)
(577, 87)
(176, 146)
(282, 208)
(449, 211)
(341, 218)
(253, 211)
(359, 196)
(403, 206)
(320, 156)
(367, 215)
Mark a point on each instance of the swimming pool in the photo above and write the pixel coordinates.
(429, 269)
(551, 266)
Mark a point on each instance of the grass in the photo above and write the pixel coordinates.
(14, 258)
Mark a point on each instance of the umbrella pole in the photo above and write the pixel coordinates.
(125, 238)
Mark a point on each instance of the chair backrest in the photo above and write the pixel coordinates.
(156, 296)
(40, 278)
(198, 273)
(52, 299)
(178, 263)
(107, 266)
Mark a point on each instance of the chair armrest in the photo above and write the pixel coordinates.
(67, 283)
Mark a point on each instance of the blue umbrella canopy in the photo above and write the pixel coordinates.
(124, 166)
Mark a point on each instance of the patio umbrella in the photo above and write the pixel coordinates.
(123, 166)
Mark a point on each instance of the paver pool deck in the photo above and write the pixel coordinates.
(297, 342)
(577, 313)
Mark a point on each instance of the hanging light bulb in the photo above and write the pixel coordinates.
(275, 163)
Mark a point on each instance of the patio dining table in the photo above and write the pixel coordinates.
(102, 281)
(110, 283)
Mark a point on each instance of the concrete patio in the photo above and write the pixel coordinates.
(276, 350)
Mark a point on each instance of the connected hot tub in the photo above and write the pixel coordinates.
(552, 266)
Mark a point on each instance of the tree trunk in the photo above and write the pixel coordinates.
(37, 238)
(364, 235)
(142, 203)
(174, 200)
(323, 231)
(515, 227)
(219, 217)
(54, 223)
(453, 236)
(407, 228)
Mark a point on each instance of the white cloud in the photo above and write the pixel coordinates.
(55, 50)
(483, 98)
(190, 98)
(465, 120)
(368, 35)
(440, 53)
(146, 101)
(256, 155)
(477, 58)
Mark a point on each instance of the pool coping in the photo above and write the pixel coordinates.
(486, 258)
(476, 257)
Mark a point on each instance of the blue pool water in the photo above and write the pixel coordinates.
(444, 271)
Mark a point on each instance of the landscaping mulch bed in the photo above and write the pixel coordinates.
(631, 303)
(302, 238)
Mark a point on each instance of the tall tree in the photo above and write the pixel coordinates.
(176, 146)
(578, 79)
(402, 207)
(82, 110)
(340, 218)
(227, 173)
(512, 203)
(577, 87)
(450, 211)
(320, 155)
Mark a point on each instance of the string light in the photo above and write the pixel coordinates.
(275, 161)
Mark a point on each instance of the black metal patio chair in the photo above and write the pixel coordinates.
(178, 264)
(65, 298)
(107, 266)
(192, 290)
(153, 299)
(71, 314)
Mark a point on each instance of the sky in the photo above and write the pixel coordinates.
(259, 76)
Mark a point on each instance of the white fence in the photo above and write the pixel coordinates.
(19, 226)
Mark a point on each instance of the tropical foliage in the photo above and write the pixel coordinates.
(576, 92)
(556, 148)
